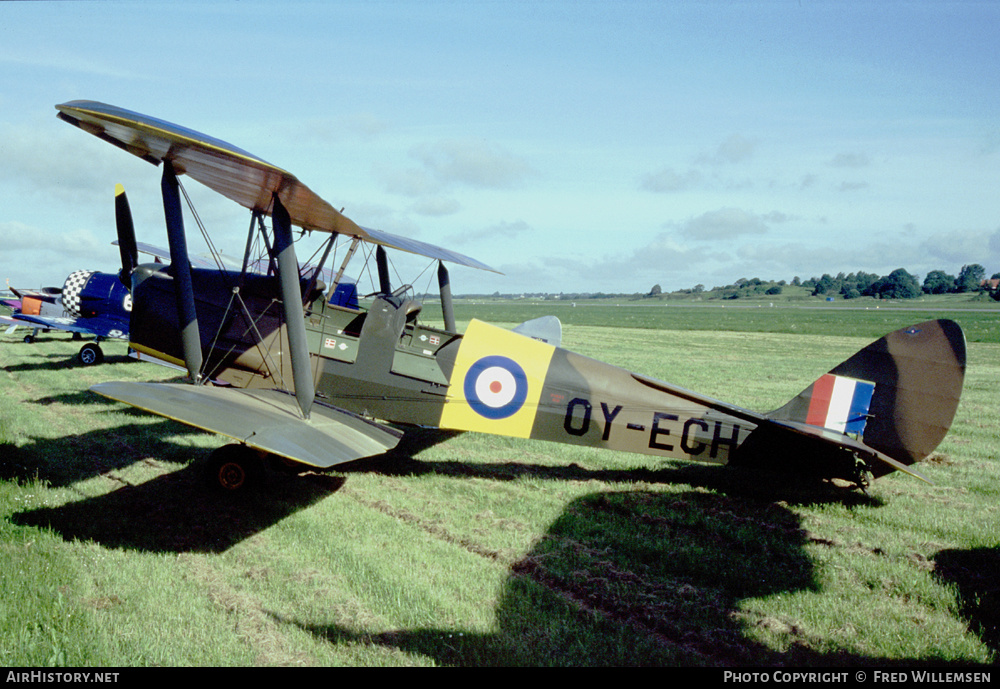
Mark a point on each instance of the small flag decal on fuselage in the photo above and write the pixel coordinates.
(840, 403)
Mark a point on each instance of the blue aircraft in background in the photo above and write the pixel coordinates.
(89, 303)
(100, 304)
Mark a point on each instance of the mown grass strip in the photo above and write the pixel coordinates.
(478, 550)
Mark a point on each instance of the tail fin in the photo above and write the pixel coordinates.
(917, 374)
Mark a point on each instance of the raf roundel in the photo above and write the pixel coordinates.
(496, 387)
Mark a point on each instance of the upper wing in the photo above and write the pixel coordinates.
(267, 420)
(231, 171)
(424, 249)
(98, 326)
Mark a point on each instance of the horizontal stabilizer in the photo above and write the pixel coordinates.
(266, 420)
(840, 442)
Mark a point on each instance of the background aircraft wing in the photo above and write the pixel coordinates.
(48, 297)
(98, 326)
(163, 256)
(267, 420)
(231, 171)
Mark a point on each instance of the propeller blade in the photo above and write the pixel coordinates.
(126, 236)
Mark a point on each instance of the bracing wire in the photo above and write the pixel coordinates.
(216, 255)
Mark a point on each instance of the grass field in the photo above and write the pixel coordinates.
(478, 550)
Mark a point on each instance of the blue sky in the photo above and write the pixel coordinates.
(578, 146)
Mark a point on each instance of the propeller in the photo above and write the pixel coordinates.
(126, 236)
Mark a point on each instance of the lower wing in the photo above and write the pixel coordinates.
(98, 326)
(266, 420)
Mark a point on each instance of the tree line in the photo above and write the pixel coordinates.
(899, 284)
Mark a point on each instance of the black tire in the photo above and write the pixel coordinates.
(233, 469)
(90, 354)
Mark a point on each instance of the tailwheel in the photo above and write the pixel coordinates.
(862, 475)
(234, 469)
(90, 354)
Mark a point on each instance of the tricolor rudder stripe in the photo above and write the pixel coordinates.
(497, 381)
(840, 403)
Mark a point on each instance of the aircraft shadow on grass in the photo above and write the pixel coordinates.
(53, 362)
(176, 512)
(404, 460)
(976, 573)
(173, 512)
(170, 513)
(66, 460)
(666, 590)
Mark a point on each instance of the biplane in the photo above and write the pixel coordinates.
(297, 381)
(89, 303)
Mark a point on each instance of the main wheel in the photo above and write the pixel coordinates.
(234, 469)
(90, 354)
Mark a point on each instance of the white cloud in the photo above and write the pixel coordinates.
(850, 160)
(668, 180)
(963, 247)
(436, 206)
(61, 62)
(725, 223)
(735, 149)
(408, 181)
(49, 255)
(473, 163)
(63, 163)
(852, 186)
